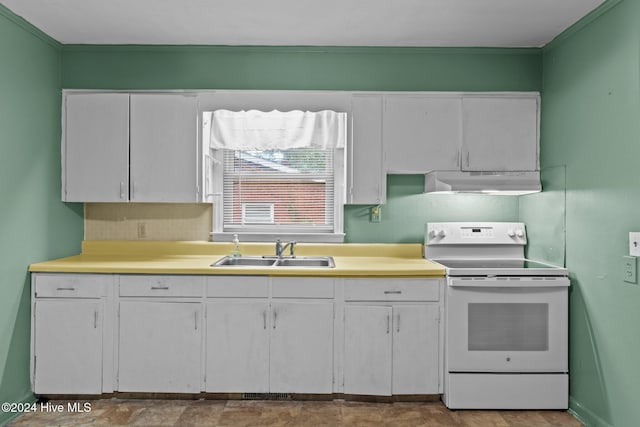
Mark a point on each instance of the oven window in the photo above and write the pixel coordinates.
(508, 327)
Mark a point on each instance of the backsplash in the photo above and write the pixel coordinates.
(147, 221)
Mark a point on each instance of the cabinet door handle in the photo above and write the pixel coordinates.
(66, 289)
(195, 320)
(122, 190)
(95, 319)
(159, 288)
(467, 159)
(398, 323)
(392, 292)
(264, 320)
(133, 189)
(275, 316)
(388, 323)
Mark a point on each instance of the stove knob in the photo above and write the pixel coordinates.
(520, 232)
(432, 234)
(511, 233)
(442, 233)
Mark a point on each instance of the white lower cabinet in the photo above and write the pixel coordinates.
(235, 334)
(391, 350)
(367, 351)
(68, 346)
(257, 346)
(237, 347)
(415, 349)
(70, 340)
(301, 347)
(160, 347)
(392, 347)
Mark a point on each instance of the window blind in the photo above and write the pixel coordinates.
(279, 190)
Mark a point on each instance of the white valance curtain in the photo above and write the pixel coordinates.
(277, 130)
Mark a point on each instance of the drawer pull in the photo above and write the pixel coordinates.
(65, 289)
(392, 292)
(159, 288)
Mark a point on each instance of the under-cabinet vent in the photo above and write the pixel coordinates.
(266, 396)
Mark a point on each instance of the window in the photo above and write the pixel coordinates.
(264, 194)
(279, 190)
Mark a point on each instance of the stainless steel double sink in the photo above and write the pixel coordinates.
(270, 261)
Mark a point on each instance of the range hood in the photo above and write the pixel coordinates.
(508, 183)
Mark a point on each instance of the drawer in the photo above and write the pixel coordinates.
(71, 285)
(238, 286)
(392, 289)
(161, 286)
(302, 287)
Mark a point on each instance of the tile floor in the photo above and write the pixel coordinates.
(184, 413)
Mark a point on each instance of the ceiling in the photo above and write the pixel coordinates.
(487, 23)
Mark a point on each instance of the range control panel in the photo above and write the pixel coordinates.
(464, 233)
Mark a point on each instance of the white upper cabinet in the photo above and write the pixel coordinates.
(95, 149)
(120, 147)
(422, 133)
(500, 133)
(367, 180)
(164, 154)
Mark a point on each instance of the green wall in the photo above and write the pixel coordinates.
(591, 124)
(34, 224)
(327, 68)
(408, 210)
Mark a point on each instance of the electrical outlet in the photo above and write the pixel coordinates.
(634, 243)
(142, 230)
(375, 214)
(630, 269)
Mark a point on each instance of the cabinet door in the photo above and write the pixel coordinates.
(68, 347)
(422, 134)
(95, 150)
(164, 154)
(367, 350)
(237, 347)
(500, 134)
(301, 348)
(367, 179)
(160, 347)
(415, 349)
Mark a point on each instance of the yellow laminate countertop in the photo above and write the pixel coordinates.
(131, 257)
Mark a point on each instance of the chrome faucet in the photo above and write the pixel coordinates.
(280, 248)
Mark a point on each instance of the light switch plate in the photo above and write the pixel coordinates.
(634, 243)
(629, 272)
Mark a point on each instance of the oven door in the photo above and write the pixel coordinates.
(507, 324)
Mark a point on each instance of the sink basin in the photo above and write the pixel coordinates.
(314, 262)
(256, 261)
(244, 261)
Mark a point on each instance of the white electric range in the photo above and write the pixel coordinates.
(506, 327)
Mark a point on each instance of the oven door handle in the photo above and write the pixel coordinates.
(510, 282)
